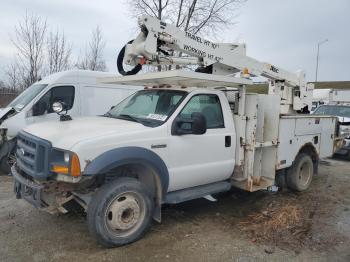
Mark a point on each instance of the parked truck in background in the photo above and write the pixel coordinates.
(335, 102)
(180, 138)
(330, 96)
(342, 112)
(78, 89)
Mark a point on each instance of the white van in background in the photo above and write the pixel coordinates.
(329, 96)
(78, 89)
(319, 97)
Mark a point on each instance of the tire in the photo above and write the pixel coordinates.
(280, 180)
(299, 175)
(6, 163)
(112, 211)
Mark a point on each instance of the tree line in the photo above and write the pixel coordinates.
(40, 52)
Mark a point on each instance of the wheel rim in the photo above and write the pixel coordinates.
(305, 173)
(125, 214)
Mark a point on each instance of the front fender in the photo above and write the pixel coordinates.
(129, 155)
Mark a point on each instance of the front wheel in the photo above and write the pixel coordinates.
(6, 163)
(120, 212)
(299, 175)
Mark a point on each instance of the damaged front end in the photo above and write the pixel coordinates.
(7, 159)
(50, 196)
(6, 145)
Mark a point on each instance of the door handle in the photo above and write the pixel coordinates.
(227, 141)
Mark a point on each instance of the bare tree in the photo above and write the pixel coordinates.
(58, 52)
(29, 40)
(149, 7)
(15, 77)
(93, 57)
(197, 17)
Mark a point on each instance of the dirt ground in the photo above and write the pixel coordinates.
(262, 226)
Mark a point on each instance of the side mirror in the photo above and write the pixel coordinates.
(196, 125)
(39, 108)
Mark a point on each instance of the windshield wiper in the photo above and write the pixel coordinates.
(132, 118)
(107, 115)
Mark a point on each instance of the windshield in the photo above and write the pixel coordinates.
(26, 96)
(342, 111)
(148, 107)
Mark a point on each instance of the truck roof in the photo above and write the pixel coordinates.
(177, 79)
(75, 76)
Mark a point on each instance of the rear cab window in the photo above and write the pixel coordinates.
(207, 104)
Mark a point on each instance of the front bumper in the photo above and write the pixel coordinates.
(28, 190)
(49, 197)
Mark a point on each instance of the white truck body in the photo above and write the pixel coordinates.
(265, 140)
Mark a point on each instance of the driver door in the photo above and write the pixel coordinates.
(201, 159)
(42, 109)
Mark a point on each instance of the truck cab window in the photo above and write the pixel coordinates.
(209, 106)
(149, 107)
(63, 94)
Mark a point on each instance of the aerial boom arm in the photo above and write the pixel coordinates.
(158, 42)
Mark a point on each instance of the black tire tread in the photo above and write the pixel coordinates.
(291, 178)
(5, 169)
(119, 184)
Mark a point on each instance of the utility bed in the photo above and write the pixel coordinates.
(269, 141)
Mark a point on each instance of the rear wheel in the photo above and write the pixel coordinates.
(120, 212)
(299, 175)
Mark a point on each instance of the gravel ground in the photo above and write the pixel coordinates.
(240, 226)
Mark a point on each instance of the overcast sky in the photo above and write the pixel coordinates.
(284, 33)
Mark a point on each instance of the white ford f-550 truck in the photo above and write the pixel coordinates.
(180, 138)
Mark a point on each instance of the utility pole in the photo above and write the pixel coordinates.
(318, 54)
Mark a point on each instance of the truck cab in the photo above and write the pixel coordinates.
(77, 89)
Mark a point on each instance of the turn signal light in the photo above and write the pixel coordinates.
(75, 166)
(73, 169)
(60, 169)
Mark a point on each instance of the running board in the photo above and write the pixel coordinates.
(183, 195)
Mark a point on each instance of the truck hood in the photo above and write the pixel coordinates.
(66, 134)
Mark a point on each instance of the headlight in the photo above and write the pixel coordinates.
(66, 163)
